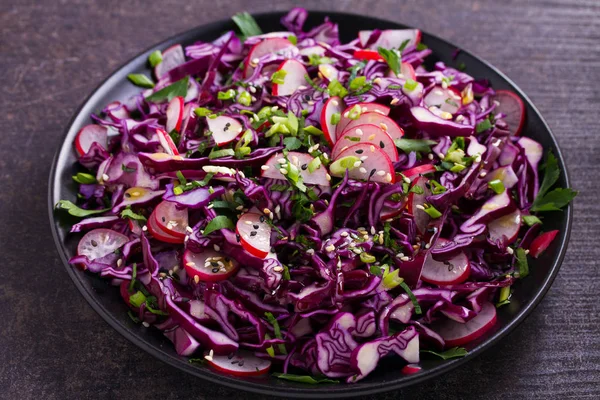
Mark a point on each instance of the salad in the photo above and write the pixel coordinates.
(289, 203)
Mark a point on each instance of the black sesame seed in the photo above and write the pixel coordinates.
(215, 270)
(255, 226)
(381, 144)
(227, 259)
(214, 264)
(234, 362)
(241, 363)
(304, 166)
(261, 219)
(253, 233)
(127, 195)
(359, 151)
(306, 97)
(372, 172)
(164, 219)
(230, 356)
(94, 243)
(237, 238)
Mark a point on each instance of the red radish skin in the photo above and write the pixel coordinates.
(415, 172)
(267, 46)
(158, 233)
(457, 334)
(375, 118)
(294, 78)
(391, 38)
(88, 135)
(100, 242)
(513, 107)
(410, 369)
(541, 243)
(332, 106)
(224, 129)
(170, 219)
(171, 58)
(167, 143)
(273, 165)
(421, 217)
(255, 234)
(507, 226)
(388, 212)
(372, 159)
(116, 111)
(456, 270)
(243, 363)
(175, 114)
(367, 55)
(364, 108)
(370, 134)
(209, 266)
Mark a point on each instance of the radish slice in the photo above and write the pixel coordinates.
(495, 207)
(446, 100)
(255, 234)
(267, 46)
(308, 51)
(171, 58)
(367, 55)
(371, 162)
(100, 242)
(513, 107)
(370, 134)
(224, 129)
(166, 142)
(158, 233)
(332, 106)
(455, 270)
(415, 172)
(294, 78)
(421, 217)
(174, 114)
(171, 219)
(328, 71)
(408, 71)
(389, 212)
(243, 363)
(541, 243)
(377, 119)
(116, 111)
(301, 160)
(410, 369)
(391, 38)
(507, 225)
(457, 334)
(364, 108)
(88, 135)
(505, 174)
(209, 266)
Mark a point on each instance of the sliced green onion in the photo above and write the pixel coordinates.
(457, 168)
(410, 85)
(358, 82)
(432, 211)
(314, 164)
(340, 165)
(412, 297)
(531, 220)
(497, 186)
(137, 299)
(313, 130)
(220, 153)
(335, 88)
(141, 80)
(155, 58)
(228, 95)
(354, 112)
(177, 190)
(392, 280)
(82, 177)
(335, 118)
(244, 98)
(483, 126)
(278, 77)
(367, 258)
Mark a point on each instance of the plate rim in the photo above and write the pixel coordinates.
(288, 389)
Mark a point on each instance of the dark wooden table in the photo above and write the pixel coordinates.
(53, 53)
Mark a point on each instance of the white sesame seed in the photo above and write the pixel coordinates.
(444, 85)
(325, 156)
(186, 238)
(277, 208)
(478, 158)
(372, 148)
(510, 250)
(335, 102)
(356, 250)
(460, 118)
(278, 269)
(394, 101)
(356, 164)
(406, 179)
(400, 255)
(381, 173)
(344, 234)
(482, 174)
(446, 115)
(190, 264)
(271, 215)
(196, 278)
(405, 258)
(295, 160)
(363, 158)
(252, 89)
(240, 208)
(209, 358)
(105, 177)
(430, 156)
(328, 177)
(146, 325)
(310, 102)
(274, 108)
(388, 177)
(310, 252)
(266, 210)
(119, 262)
(346, 114)
(302, 87)
(364, 109)
(255, 61)
(373, 230)
(281, 160)
(144, 228)
(359, 132)
(377, 81)
(441, 155)
(362, 170)
(428, 245)
(283, 171)
(330, 248)
(211, 205)
(217, 247)
(420, 207)
(255, 117)
(265, 167)
(371, 137)
(526, 251)
(189, 229)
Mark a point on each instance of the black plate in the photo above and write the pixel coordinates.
(108, 303)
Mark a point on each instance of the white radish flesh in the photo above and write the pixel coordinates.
(209, 266)
(224, 129)
(370, 134)
(457, 334)
(100, 242)
(453, 271)
(294, 78)
(243, 363)
(91, 134)
(255, 234)
(370, 163)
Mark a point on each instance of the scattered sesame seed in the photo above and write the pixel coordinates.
(405, 258)
(373, 230)
(510, 250)
(328, 177)
(144, 228)
(255, 60)
(420, 207)
(356, 250)
(362, 170)
(310, 252)
(359, 132)
(381, 173)
(266, 211)
(482, 174)
(277, 208)
(255, 117)
(271, 215)
(372, 148)
(406, 179)
(356, 164)
(383, 126)
(478, 158)
(428, 245)
(105, 177)
(190, 264)
(460, 118)
(325, 156)
(446, 115)
(278, 269)
(281, 160)
(310, 102)
(399, 255)
(335, 102)
(331, 247)
(295, 160)
(526, 251)
(302, 87)
(394, 101)
(371, 137)
(377, 81)
(441, 155)
(274, 108)
(146, 325)
(283, 171)
(346, 114)
(240, 207)
(388, 177)
(217, 247)
(211, 205)
(363, 158)
(344, 234)
(444, 85)
(189, 229)
(430, 156)
(265, 167)
(119, 262)
(252, 89)
(196, 278)
(364, 109)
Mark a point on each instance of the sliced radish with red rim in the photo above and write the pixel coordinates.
(513, 108)
(370, 134)
(100, 242)
(175, 114)
(328, 71)
(457, 334)
(255, 234)
(243, 363)
(541, 243)
(450, 272)
(171, 58)
(367, 55)
(171, 219)
(301, 161)
(294, 78)
(415, 172)
(91, 134)
(116, 111)
(410, 369)
(364, 108)
(370, 162)
(377, 119)
(267, 46)
(209, 266)
(166, 142)
(224, 129)
(333, 105)
(391, 38)
(159, 233)
(507, 226)
(447, 100)
(415, 201)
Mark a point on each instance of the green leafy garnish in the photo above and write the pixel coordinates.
(128, 213)
(155, 58)
(416, 145)
(141, 80)
(277, 330)
(178, 88)
(313, 130)
(392, 279)
(316, 60)
(522, 266)
(483, 125)
(497, 186)
(202, 111)
(403, 45)
(247, 24)
(367, 258)
(304, 378)
(421, 46)
(137, 299)
(436, 187)
(454, 352)
(83, 178)
(503, 297)
(75, 210)
(335, 88)
(531, 220)
(410, 85)
(313, 84)
(432, 211)
(228, 95)
(292, 143)
(412, 297)
(392, 58)
(220, 153)
(416, 189)
(293, 39)
(133, 276)
(278, 77)
(217, 223)
(358, 82)
(376, 270)
(556, 199)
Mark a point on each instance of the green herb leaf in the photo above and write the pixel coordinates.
(141, 80)
(483, 125)
(412, 297)
(75, 210)
(127, 213)
(503, 297)
(292, 143)
(416, 189)
(392, 58)
(421, 47)
(454, 352)
(313, 130)
(247, 24)
(416, 145)
(133, 317)
(137, 299)
(335, 88)
(522, 266)
(133, 276)
(155, 58)
(376, 270)
(286, 273)
(217, 223)
(358, 82)
(277, 330)
(531, 220)
(316, 60)
(313, 84)
(84, 178)
(436, 187)
(403, 45)
(554, 201)
(220, 153)
(293, 39)
(304, 378)
(178, 88)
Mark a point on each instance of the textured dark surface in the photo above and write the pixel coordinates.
(53, 53)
